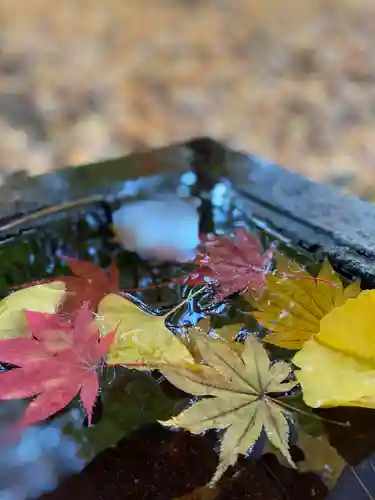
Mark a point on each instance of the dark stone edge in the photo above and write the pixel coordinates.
(93, 184)
(318, 217)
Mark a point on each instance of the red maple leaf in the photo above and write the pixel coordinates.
(56, 362)
(90, 284)
(231, 264)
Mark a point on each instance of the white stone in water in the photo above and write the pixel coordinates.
(163, 230)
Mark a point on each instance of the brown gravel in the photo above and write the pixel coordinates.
(82, 80)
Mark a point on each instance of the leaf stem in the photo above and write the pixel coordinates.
(313, 278)
(189, 297)
(306, 414)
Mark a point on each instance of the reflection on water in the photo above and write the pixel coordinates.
(32, 462)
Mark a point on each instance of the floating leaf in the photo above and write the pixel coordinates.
(42, 298)
(188, 336)
(239, 385)
(320, 457)
(140, 337)
(89, 284)
(55, 377)
(350, 329)
(228, 333)
(294, 303)
(330, 378)
(315, 455)
(337, 367)
(231, 264)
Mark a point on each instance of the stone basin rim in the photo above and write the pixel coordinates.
(318, 217)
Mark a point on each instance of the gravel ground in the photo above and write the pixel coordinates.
(83, 80)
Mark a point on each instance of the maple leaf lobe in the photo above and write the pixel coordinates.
(89, 283)
(231, 264)
(239, 385)
(55, 364)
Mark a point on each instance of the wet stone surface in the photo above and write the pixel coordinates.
(317, 217)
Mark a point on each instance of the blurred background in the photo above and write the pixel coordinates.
(293, 81)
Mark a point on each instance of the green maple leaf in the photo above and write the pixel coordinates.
(239, 384)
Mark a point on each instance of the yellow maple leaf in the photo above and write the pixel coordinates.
(140, 337)
(293, 304)
(337, 366)
(226, 333)
(351, 328)
(238, 385)
(44, 298)
(318, 452)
